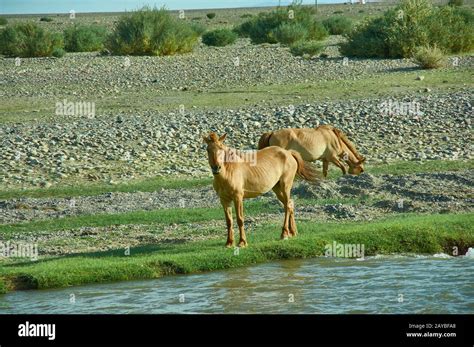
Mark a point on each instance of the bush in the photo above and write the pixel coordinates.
(412, 24)
(246, 15)
(310, 48)
(28, 40)
(211, 15)
(338, 25)
(58, 52)
(367, 40)
(151, 32)
(452, 29)
(338, 12)
(455, 2)
(219, 37)
(270, 27)
(3, 21)
(82, 38)
(289, 33)
(429, 57)
(198, 28)
(46, 19)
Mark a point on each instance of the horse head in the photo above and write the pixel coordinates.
(357, 168)
(215, 151)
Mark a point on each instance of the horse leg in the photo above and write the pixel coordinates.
(325, 168)
(338, 163)
(291, 211)
(289, 225)
(239, 210)
(293, 228)
(279, 195)
(228, 218)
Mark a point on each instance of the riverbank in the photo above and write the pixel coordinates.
(402, 234)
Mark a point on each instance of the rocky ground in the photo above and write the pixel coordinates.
(423, 192)
(124, 147)
(119, 142)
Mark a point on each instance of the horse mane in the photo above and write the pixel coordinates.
(347, 142)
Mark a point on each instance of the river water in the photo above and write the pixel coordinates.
(394, 284)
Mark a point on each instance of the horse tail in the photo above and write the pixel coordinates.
(305, 170)
(265, 140)
(342, 137)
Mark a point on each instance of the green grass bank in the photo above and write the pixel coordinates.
(421, 234)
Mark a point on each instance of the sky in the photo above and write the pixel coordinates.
(65, 6)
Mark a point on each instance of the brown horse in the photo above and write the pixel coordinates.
(241, 175)
(325, 143)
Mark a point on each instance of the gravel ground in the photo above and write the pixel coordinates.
(423, 192)
(124, 147)
(207, 68)
(118, 146)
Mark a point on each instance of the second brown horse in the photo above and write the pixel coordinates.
(325, 143)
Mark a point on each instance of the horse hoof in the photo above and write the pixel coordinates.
(285, 238)
(229, 245)
(242, 244)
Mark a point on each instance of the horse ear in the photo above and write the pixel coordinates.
(362, 160)
(205, 139)
(222, 138)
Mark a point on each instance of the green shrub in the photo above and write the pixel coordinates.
(289, 33)
(244, 29)
(28, 40)
(260, 28)
(455, 2)
(368, 40)
(198, 28)
(317, 31)
(270, 27)
(338, 25)
(338, 12)
(429, 57)
(452, 29)
(82, 38)
(3, 21)
(310, 48)
(211, 15)
(46, 19)
(219, 37)
(151, 32)
(410, 25)
(58, 52)
(246, 15)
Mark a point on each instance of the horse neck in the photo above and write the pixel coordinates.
(352, 159)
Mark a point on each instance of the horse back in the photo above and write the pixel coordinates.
(312, 144)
